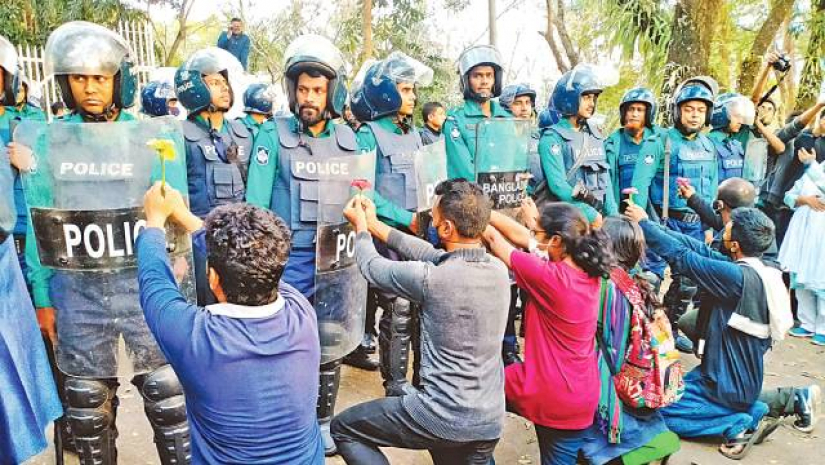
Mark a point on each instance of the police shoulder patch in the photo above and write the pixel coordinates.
(455, 133)
(649, 160)
(262, 156)
(555, 149)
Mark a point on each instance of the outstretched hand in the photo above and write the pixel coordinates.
(356, 213)
(160, 202)
(635, 212)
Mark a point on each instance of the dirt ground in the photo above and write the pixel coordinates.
(794, 362)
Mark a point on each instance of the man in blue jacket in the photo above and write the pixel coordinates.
(234, 41)
(249, 363)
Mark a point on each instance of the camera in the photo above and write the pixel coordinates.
(782, 63)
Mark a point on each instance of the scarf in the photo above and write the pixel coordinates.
(614, 328)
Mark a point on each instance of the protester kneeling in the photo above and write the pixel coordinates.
(638, 364)
(747, 309)
(458, 413)
(248, 364)
(557, 386)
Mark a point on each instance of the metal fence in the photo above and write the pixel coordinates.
(141, 39)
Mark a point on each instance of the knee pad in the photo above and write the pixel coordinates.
(163, 397)
(89, 407)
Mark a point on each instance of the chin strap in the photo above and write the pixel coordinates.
(109, 114)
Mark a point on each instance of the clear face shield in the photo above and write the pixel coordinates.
(84, 48)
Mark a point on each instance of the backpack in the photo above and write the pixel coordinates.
(651, 376)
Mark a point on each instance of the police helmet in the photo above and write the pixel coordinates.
(376, 94)
(480, 55)
(732, 104)
(639, 95)
(11, 73)
(315, 54)
(257, 98)
(510, 93)
(692, 91)
(84, 48)
(154, 98)
(569, 89)
(190, 87)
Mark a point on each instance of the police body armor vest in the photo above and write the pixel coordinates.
(626, 164)
(694, 162)
(535, 161)
(212, 181)
(731, 158)
(586, 161)
(300, 158)
(395, 174)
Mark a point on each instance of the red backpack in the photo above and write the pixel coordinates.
(651, 375)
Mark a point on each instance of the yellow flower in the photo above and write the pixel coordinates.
(164, 147)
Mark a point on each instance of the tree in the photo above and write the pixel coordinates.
(812, 72)
(557, 37)
(27, 22)
(779, 12)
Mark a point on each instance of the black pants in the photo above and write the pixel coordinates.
(360, 430)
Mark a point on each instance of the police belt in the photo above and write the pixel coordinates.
(679, 215)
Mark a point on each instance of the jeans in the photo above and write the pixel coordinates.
(359, 431)
(559, 446)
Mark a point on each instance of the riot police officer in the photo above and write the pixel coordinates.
(284, 177)
(158, 99)
(637, 113)
(519, 100)
(681, 153)
(572, 152)
(481, 72)
(733, 114)
(217, 149)
(385, 103)
(257, 104)
(93, 69)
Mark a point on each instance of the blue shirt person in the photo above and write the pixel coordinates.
(236, 42)
(248, 364)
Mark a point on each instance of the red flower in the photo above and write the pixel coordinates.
(684, 182)
(630, 191)
(361, 184)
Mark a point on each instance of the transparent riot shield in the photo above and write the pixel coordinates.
(756, 161)
(430, 169)
(8, 214)
(340, 290)
(85, 199)
(502, 161)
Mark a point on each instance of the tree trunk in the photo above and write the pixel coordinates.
(788, 86)
(366, 25)
(183, 16)
(812, 73)
(491, 14)
(694, 22)
(780, 11)
(564, 54)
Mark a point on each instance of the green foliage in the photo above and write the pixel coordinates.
(29, 22)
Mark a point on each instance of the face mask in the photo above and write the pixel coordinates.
(174, 111)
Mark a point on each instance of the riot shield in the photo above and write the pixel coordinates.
(430, 169)
(502, 162)
(8, 214)
(85, 198)
(756, 161)
(340, 290)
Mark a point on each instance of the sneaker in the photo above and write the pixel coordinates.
(818, 339)
(359, 358)
(799, 332)
(683, 344)
(807, 408)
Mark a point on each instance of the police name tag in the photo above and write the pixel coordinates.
(507, 190)
(336, 247)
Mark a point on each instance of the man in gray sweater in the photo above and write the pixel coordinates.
(458, 412)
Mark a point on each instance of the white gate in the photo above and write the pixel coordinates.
(141, 39)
